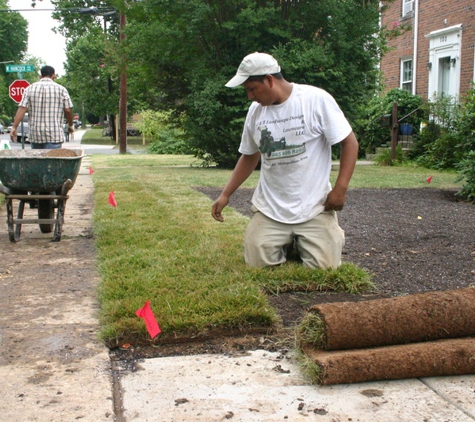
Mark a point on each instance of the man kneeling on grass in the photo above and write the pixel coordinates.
(291, 128)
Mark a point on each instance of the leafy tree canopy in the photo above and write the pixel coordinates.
(188, 49)
(13, 42)
(180, 53)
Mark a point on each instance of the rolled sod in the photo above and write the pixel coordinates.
(400, 320)
(429, 359)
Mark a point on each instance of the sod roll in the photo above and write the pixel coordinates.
(401, 320)
(438, 358)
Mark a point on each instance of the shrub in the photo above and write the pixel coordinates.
(169, 140)
(5, 120)
(466, 170)
(450, 134)
(437, 145)
(372, 134)
(441, 153)
(465, 126)
(428, 135)
(164, 137)
(383, 158)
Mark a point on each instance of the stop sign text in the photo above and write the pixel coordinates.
(17, 89)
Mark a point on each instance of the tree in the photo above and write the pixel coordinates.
(90, 77)
(13, 42)
(93, 56)
(187, 49)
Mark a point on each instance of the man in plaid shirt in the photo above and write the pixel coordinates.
(48, 103)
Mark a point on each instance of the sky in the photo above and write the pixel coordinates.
(42, 41)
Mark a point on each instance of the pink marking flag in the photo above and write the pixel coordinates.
(91, 170)
(112, 200)
(150, 322)
(429, 179)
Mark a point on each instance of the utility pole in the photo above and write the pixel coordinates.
(123, 90)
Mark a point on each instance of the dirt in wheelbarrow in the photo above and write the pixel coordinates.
(60, 152)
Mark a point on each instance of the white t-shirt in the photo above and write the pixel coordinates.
(295, 140)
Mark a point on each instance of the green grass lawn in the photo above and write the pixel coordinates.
(94, 136)
(374, 176)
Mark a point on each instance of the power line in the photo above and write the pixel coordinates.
(71, 9)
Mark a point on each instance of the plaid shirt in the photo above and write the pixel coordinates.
(46, 101)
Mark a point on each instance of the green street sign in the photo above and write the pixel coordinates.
(11, 68)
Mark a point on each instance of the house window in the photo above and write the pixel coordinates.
(406, 75)
(407, 7)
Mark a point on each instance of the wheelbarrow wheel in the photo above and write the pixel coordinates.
(14, 230)
(46, 211)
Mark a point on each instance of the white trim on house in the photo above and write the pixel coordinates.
(444, 61)
(406, 67)
(416, 47)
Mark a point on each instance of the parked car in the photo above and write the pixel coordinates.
(24, 133)
(26, 130)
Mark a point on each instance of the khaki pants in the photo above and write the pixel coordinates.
(319, 241)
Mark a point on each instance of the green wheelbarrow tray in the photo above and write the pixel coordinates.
(30, 170)
(35, 177)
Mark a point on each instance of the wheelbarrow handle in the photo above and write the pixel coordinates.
(67, 186)
(4, 190)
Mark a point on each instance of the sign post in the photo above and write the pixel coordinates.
(17, 88)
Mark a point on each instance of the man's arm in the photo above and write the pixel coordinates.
(349, 154)
(68, 113)
(18, 118)
(244, 167)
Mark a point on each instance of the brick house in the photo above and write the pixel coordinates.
(436, 55)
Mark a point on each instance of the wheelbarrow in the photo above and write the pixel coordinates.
(39, 178)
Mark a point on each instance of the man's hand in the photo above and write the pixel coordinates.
(244, 167)
(335, 199)
(218, 207)
(349, 154)
(13, 134)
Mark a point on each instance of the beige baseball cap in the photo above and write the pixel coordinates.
(252, 65)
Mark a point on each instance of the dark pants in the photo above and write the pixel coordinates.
(48, 145)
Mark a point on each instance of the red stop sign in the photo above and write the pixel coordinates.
(17, 88)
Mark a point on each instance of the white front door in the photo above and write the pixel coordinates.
(444, 59)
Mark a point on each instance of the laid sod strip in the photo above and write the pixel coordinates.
(429, 359)
(295, 278)
(161, 245)
(408, 319)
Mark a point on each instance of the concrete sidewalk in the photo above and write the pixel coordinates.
(259, 386)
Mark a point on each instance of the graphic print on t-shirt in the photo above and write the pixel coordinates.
(277, 149)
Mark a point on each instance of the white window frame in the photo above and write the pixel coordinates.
(407, 7)
(403, 74)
